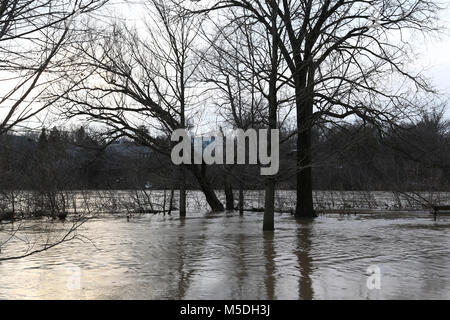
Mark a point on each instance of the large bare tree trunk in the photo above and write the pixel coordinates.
(211, 198)
(304, 104)
(269, 206)
(304, 208)
(269, 197)
(207, 188)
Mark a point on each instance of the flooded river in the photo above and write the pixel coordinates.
(227, 256)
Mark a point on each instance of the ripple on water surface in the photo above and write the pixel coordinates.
(227, 256)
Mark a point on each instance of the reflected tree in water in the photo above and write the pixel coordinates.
(269, 255)
(304, 245)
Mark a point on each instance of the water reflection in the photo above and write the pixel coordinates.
(241, 264)
(269, 255)
(227, 256)
(304, 245)
(183, 273)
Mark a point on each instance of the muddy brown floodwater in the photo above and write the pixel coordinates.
(226, 256)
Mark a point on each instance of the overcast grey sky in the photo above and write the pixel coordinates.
(433, 52)
(435, 57)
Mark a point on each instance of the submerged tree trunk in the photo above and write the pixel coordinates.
(269, 205)
(304, 104)
(211, 197)
(74, 200)
(13, 203)
(183, 192)
(241, 198)
(269, 197)
(171, 200)
(207, 189)
(164, 202)
(304, 208)
(229, 198)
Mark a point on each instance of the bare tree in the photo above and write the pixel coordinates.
(247, 72)
(128, 80)
(345, 59)
(31, 36)
(230, 70)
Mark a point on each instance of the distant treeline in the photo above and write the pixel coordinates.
(346, 157)
(412, 157)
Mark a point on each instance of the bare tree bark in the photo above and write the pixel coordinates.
(241, 198)
(340, 56)
(269, 198)
(182, 191)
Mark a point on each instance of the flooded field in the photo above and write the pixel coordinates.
(129, 201)
(227, 256)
